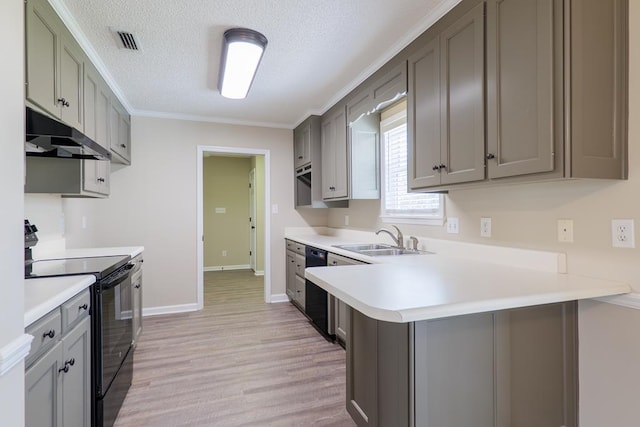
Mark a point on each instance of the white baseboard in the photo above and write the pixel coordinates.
(258, 272)
(279, 298)
(227, 267)
(169, 309)
(14, 352)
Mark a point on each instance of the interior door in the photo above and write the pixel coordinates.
(252, 219)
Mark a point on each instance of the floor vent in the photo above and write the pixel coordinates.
(127, 40)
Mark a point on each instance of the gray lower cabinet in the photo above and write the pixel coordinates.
(57, 384)
(341, 310)
(445, 106)
(291, 275)
(506, 368)
(295, 282)
(136, 298)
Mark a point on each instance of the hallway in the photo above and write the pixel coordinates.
(238, 362)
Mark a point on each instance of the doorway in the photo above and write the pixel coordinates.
(259, 262)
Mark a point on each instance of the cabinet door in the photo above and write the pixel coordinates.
(136, 302)
(95, 177)
(454, 371)
(43, 391)
(364, 141)
(119, 132)
(524, 103)
(536, 366)
(291, 275)
(342, 321)
(599, 88)
(362, 370)
(43, 29)
(462, 99)
(300, 291)
(333, 146)
(302, 144)
(423, 117)
(71, 81)
(96, 106)
(76, 381)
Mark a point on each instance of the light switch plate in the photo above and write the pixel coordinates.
(453, 225)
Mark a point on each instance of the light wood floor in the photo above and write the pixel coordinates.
(238, 362)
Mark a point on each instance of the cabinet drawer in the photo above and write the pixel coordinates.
(300, 265)
(46, 332)
(295, 247)
(75, 309)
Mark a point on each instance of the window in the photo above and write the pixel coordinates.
(397, 204)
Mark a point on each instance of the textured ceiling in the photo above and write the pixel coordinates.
(318, 51)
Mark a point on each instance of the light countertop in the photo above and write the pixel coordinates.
(43, 295)
(407, 288)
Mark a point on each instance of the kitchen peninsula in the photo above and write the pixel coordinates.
(442, 340)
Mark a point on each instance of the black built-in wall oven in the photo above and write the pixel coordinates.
(111, 327)
(317, 299)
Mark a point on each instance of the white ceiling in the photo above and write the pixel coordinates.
(318, 51)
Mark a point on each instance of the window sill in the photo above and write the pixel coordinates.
(410, 220)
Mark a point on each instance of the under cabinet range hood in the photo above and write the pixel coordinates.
(47, 137)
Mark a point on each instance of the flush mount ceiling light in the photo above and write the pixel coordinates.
(241, 53)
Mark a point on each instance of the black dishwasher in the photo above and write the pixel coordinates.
(317, 299)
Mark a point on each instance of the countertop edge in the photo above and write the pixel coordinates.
(64, 292)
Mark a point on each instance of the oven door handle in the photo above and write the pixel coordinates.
(116, 278)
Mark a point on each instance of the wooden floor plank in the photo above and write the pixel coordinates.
(238, 362)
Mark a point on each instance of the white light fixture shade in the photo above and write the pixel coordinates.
(242, 51)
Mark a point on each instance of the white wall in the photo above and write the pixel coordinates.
(12, 209)
(153, 203)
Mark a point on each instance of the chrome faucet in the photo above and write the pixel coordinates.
(399, 239)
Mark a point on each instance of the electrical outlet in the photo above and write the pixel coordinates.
(565, 230)
(622, 233)
(453, 226)
(485, 227)
(224, 253)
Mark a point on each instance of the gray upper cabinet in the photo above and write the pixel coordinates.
(302, 144)
(96, 106)
(54, 62)
(333, 137)
(120, 132)
(68, 177)
(446, 105)
(598, 98)
(524, 60)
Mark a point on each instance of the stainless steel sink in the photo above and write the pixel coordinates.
(375, 249)
(357, 247)
(390, 251)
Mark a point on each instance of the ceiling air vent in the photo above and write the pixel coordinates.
(127, 40)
